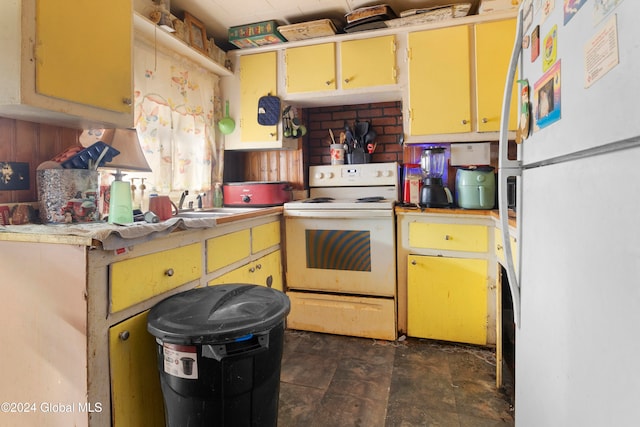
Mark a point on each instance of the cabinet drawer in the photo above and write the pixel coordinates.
(227, 249)
(266, 271)
(138, 279)
(452, 237)
(264, 236)
(344, 315)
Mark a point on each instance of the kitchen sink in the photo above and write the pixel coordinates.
(214, 212)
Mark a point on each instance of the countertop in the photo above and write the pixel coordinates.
(112, 236)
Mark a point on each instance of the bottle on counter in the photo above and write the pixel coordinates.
(218, 196)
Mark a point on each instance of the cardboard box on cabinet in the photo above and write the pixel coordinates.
(256, 34)
(490, 6)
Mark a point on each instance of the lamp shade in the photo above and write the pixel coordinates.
(131, 157)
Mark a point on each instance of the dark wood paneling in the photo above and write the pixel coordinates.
(33, 143)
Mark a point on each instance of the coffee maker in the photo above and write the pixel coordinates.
(434, 194)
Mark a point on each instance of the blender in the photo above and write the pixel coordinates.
(434, 194)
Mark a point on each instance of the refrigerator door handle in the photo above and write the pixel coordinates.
(508, 168)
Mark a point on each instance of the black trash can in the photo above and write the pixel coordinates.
(219, 355)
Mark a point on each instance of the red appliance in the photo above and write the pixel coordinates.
(257, 193)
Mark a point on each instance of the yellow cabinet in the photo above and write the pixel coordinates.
(136, 397)
(442, 86)
(440, 81)
(138, 279)
(65, 64)
(493, 45)
(499, 248)
(264, 236)
(266, 271)
(311, 68)
(453, 237)
(242, 248)
(368, 62)
(257, 79)
(447, 298)
(226, 249)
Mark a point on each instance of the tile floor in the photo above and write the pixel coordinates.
(334, 381)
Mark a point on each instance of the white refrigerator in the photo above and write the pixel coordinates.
(576, 287)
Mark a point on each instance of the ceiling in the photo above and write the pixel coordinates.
(219, 15)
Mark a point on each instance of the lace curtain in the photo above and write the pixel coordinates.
(175, 114)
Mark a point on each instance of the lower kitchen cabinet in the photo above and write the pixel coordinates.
(447, 298)
(136, 397)
(265, 271)
(446, 275)
(78, 336)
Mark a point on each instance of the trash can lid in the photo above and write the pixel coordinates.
(217, 313)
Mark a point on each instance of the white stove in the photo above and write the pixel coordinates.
(340, 250)
(372, 186)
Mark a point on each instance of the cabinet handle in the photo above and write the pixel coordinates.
(328, 82)
(347, 80)
(127, 101)
(252, 270)
(485, 120)
(169, 272)
(447, 237)
(272, 134)
(124, 335)
(413, 262)
(269, 281)
(499, 247)
(258, 267)
(464, 121)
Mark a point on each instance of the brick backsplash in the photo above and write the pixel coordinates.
(386, 120)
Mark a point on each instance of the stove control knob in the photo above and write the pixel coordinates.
(376, 174)
(329, 175)
(388, 173)
(246, 198)
(319, 175)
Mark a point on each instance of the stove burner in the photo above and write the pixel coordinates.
(373, 199)
(319, 200)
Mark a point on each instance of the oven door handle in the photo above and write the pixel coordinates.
(364, 214)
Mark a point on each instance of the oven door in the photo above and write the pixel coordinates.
(341, 251)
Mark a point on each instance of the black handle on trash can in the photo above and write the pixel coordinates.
(243, 346)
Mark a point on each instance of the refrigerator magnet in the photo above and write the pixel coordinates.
(550, 51)
(525, 112)
(546, 98)
(571, 7)
(535, 43)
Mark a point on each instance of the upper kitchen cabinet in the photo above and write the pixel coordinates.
(257, 78)
(440, 81)
(67, 62)
(368, 62)
(493, 45)
(349, 71)
(456, 81)
(311, 68)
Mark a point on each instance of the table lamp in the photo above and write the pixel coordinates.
(131, 158)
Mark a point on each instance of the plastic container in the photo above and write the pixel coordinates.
(219, 353)
(412, 183)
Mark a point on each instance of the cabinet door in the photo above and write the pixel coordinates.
(311, 68)
(84, 52)
(368, 62)
(257, 79)
(447, 299)
(440, 81)
(494, 42)
(136, 396)
(266, 271)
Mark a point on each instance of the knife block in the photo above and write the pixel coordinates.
(358, 157)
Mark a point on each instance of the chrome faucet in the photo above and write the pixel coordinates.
(182, 197)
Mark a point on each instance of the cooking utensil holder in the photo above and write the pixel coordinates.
(358, 157)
